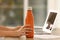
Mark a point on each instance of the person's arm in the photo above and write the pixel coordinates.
(9, 29)
(21, 31)
(10, 33)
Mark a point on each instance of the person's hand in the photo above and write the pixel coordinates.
(24, 29)
(27, 29)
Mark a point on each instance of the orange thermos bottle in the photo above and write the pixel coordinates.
(30, 21)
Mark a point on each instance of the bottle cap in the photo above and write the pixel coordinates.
(29, 8)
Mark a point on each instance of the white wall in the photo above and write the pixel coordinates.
(58, 16)
(55, 5)
(25, 9)
(52, 4)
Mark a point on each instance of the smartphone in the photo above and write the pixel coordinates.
(49, 23)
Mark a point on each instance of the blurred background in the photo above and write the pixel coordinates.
(11, 12)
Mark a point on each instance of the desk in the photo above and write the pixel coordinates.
(55, 32)
(24, 38)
